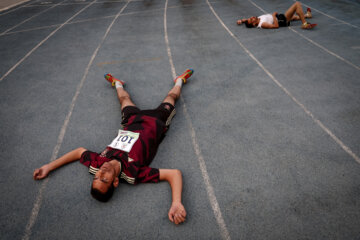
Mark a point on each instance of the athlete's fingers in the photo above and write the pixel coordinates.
(36, 173)
(179, 218)
(183, 213)
(171, 216)
(176, 220)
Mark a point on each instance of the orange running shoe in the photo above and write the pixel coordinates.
(185, 75)
(308, 25)
(111, 79)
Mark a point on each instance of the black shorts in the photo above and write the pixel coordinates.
(282, 20)
(164, 112)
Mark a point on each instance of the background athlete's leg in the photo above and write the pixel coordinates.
(306, 15)
(295, 8)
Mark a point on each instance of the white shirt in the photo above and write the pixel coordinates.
(268, 18)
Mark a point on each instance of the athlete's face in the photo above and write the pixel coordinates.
(253, 21)
(105, 177)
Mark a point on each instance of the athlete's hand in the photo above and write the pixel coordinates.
(41, 173)
(177, 213)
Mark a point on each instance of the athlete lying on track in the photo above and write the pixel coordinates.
(276, 20)
(129, 155)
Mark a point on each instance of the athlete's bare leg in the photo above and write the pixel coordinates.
(295, 18)
(173, 95)
(295, 8)
(306, 15)
(175, 92)
(124, 98)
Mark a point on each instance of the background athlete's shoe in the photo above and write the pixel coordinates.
(308, 25)
(185, 75)
(308, 13)
(111, 79)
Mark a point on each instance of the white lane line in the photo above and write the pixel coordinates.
(26, 20)
(44, 40)
(63, 4)
(209, 188)
(37, 204)
(315, 43)
(257, 6)
(99, 18)
(167, 42)
(13, 5)
(33, 29)
(29, 4)
(329, 16)
(325, 49)
(80, 3)
(318, 122)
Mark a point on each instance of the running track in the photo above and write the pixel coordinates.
(267, 131)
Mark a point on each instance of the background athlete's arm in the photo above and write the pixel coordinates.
(69, 157)
(274, 25)
(240, 21)
(177, 211)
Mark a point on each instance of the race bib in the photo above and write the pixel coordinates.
(125, 140)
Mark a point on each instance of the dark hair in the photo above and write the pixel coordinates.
(248, 25)
(102, 196)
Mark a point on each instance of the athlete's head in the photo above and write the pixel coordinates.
(252, 22)
(104, 181)
(102, 196)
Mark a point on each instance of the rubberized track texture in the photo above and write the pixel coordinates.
(266, 134)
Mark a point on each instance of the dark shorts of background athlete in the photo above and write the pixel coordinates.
(282, 20)
(164, 112)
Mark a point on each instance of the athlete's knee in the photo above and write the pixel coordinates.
(124, 98)
(173, 95)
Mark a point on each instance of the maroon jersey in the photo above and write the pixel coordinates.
(135, 164)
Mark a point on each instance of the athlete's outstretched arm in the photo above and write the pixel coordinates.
(69, 157)
(241, 21)
(177, 213)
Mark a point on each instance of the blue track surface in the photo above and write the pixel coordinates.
(266, 134)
